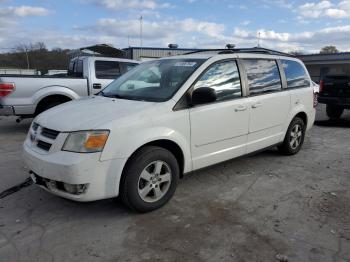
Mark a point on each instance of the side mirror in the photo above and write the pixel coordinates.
(203, 95)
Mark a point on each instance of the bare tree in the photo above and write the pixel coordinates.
(330, 49)
(36, 56)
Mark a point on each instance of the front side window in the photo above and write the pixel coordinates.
(107, 69)
(263, 76)
(295, 74)
(224, 78)
(156, 80)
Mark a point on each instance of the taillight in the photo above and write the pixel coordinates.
(315, 99)
(6, 89)
(321, 84)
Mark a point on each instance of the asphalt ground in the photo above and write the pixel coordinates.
(263, 207)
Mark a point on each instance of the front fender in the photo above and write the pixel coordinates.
(135, 140)
(53, 90)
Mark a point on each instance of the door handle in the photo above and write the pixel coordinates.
(96, 86)
(297, 101)
(240, 108)
(256, 105)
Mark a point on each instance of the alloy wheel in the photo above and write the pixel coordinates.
(154, 181)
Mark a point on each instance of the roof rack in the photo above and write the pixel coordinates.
(258, 50)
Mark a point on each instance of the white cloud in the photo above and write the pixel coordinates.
(336, 13)
(284, 4)
(246, 22)
(309, 41)
(130, 4)
(324, 9)
(23, 11)
(163, 29)
(314, 10)
(241, 33)
(280, 3)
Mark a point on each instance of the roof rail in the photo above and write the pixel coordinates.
(242, 50)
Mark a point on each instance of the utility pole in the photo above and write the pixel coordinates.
(141, 23)
(26, 50)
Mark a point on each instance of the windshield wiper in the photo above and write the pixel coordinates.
(116, 96)
(110, 95)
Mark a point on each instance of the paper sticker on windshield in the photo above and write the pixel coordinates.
(185, 64)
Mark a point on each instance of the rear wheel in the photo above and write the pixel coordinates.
(150, 179)
(50, 102)
(294, 138)
(334, 112)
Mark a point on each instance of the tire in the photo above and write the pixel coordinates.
(294, 138)
(150, 179)
(334, 112)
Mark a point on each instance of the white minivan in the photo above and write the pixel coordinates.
(166, 118)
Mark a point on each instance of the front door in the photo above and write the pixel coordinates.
(219, 129)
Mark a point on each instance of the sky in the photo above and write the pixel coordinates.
(303, 26)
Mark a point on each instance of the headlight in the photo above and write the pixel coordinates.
(86, 141)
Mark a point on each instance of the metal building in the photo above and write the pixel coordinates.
(148, 53)
(320, 65)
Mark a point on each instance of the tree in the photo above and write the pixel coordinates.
(35, 56)
(330, 49)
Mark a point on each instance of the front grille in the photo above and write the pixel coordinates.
(49, 133)
(43, 145)
(43, 137)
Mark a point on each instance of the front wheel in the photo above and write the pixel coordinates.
(334, 112)
(150, 179)
(294, 138)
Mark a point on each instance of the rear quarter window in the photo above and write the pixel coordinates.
(296, 74)
(263, 76)
(107, 69)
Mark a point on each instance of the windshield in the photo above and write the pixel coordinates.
(155, 81)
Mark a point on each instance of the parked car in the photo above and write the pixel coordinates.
(166, 118)
(335, 93)
(28, 95)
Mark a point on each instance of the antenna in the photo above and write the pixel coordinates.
(259, 39)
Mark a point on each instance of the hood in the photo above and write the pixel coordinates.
(89, 113)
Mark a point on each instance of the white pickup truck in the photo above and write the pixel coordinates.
(27, 96)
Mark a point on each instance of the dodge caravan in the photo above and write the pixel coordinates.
(166, 118)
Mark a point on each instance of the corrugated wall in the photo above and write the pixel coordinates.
(144, 54)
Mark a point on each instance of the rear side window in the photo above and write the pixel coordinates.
(295, 74)
(78, 71)
(107, 69)
(224, 78)
(263, 76)
(71, 68)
